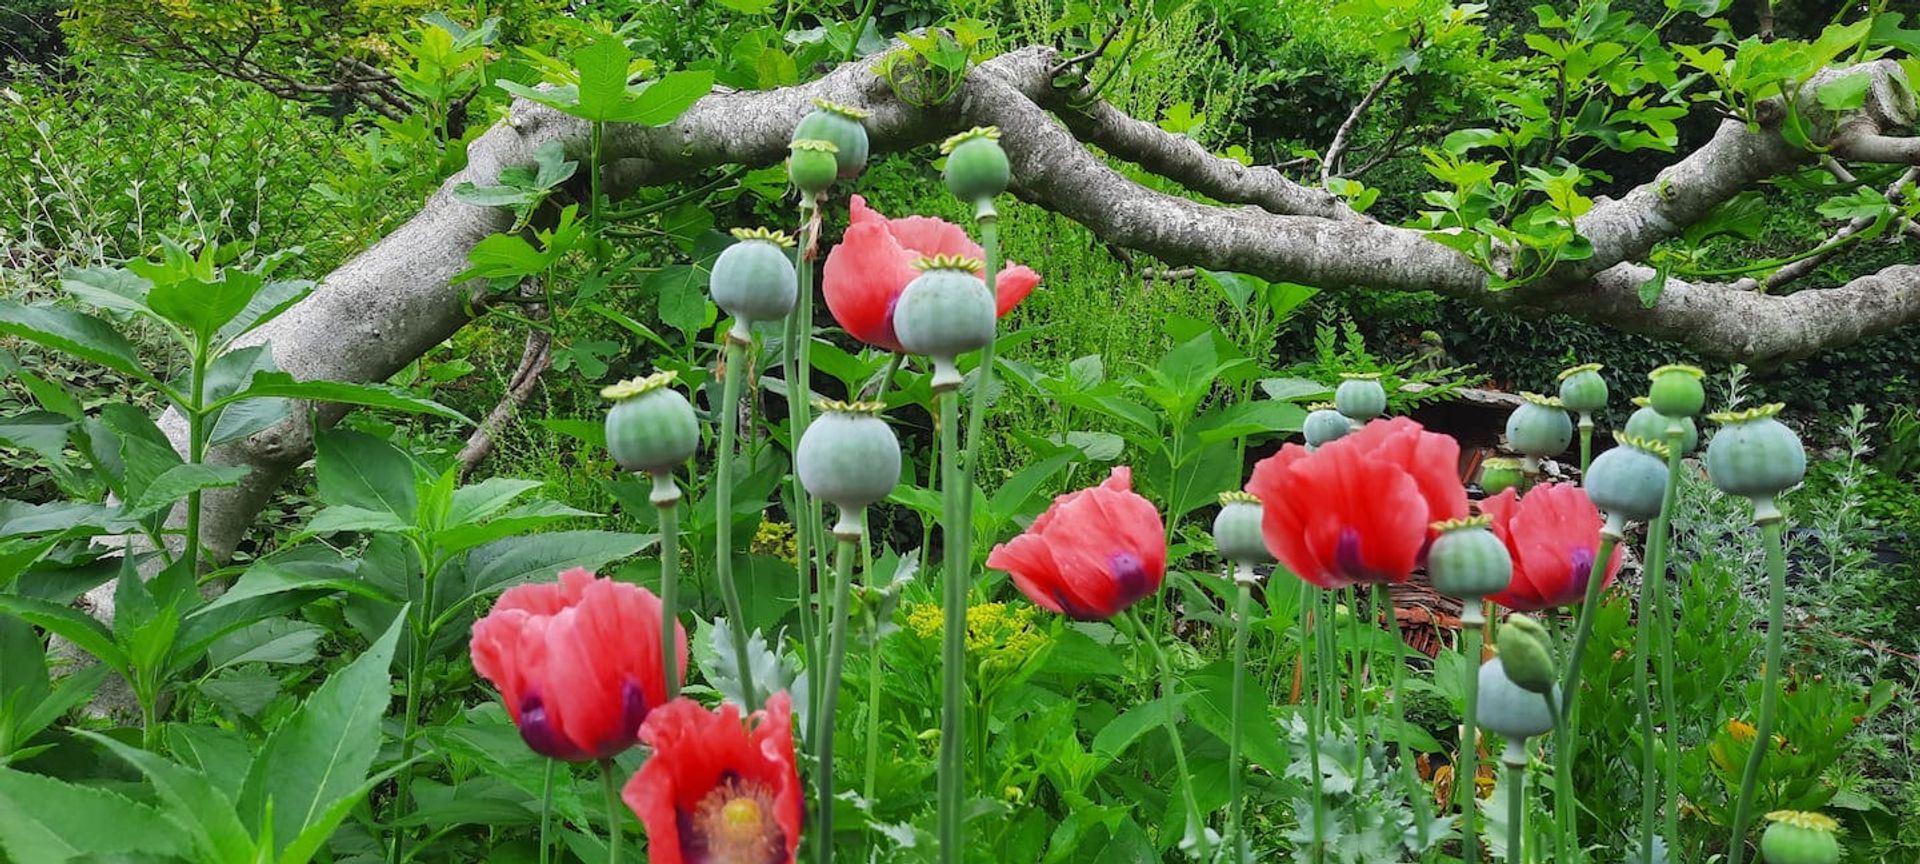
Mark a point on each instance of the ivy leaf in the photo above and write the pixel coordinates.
(1655, 285)
(1845, 93)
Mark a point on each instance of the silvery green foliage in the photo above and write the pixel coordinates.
(771, 672)
(1365, 816)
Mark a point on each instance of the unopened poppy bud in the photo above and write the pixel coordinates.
(1628, 481)
(844, 126)
(1539, 429)
(1756, 456)
(1469, 562)
(1677, 390)
(1799, 837)
(1511, 711)
(811, 165)
(1324, 424)
(1652, 425)
(976, 166)
(754, 280)
(1360, 396)
(1236, 530)
(849, 457)
(1499, 474)
(944, 312)
(651, 427)
(1582, 389)
(1524, 646)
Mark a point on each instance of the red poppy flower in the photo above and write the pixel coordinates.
(1092, 554)
(577, 662)
(715, 791)
(865, 274)
(1554, 534)
(1359, 509)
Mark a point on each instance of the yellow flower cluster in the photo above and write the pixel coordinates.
(775, 540)
(1006, 635)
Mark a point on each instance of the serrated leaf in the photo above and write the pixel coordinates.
(665, 99)
(368, 395)
(204, 307)
(322, 752)
(44, 819)
(275, 641)
(176, 483)
(358, 470)
(191, 799)
(71, 624)
(346, 517)
(69, 332)
(542, 556)
(683, 299)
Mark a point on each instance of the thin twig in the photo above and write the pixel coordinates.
(1330, 166)
(1810, 263)
(535, 359)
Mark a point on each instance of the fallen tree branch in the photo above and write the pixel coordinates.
(535, 360)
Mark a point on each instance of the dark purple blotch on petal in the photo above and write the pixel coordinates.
(541, 733)
(1581, 559)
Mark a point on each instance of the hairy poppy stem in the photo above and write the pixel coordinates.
(1313, 621)
(1196, 822)
(1466, 775)
(1669, 708)
(1654, 622)
(612, 785)
(1570, 696)
(797, 516)
(666, 497)
(1243, 595)
(1586, 443)
(983, 375)
(956, 533)
(1516, 760)
(729, 410)
(1771, 528)
(546, 809)
(830, 688)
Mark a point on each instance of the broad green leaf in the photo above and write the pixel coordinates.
(275, 640)
(666, 98)
(82, 336)
(682, 291)
(71, 624)
(221, 754)
(320, 828)
(346, 517)
(322, 753)
(369, 395)
(266, 304)
(1295, 389)
(204, 307)
(176, 483)
(358, 470)
(270, 577)
(227, 375)
(1846, 92)
(52, 395)
(1655, 286)
(68, 692)
(525, 518)
(1862, 203)
(107, 288)
(42, 432)
(541, 557)
(487, 497)
(47, 820)
(1121, 732)
(486, 738)
(191, 800)
(602, 65)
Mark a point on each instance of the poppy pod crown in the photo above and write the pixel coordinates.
(865, 274)
(1094, 553)
(651, 427)
(1359, 510)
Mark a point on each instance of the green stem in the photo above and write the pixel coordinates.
(1466, 775)
(859, 29)
(546, 808)
(1361, 659)
(1196, 822)
(983, 375)
(612, 785)
(954, 541)
(1410, 783)
(196, 449)
(1586, 443)
(811, 549)
(729, 408)
(1654, 622)
(1669, 707)
(1517, 811)
(1771, 527)
(873, 678)
(596, 133)
(1243, 596)
(1314, 619)
(836, 663)
(666, 497)
(1570, 696)
(798, 392)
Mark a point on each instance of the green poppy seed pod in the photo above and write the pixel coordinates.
(1628, 481)
(1677, 390)
(976, 166)
(1652, 425)
(1525, 646)
(1511, 711)
(1756, 456)
(651, 427)
(1467, 561)
(1360, 396)
(944, 312)
(844, 127)
(850, 457)
(1324, 424)
(1582, 389)
(1799, 837)
(1539, 428)
(812, 165)
(1499, 474)
(754, 280)
(1236, 530)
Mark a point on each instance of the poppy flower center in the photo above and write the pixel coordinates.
(734, 824)
(1351, 566)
